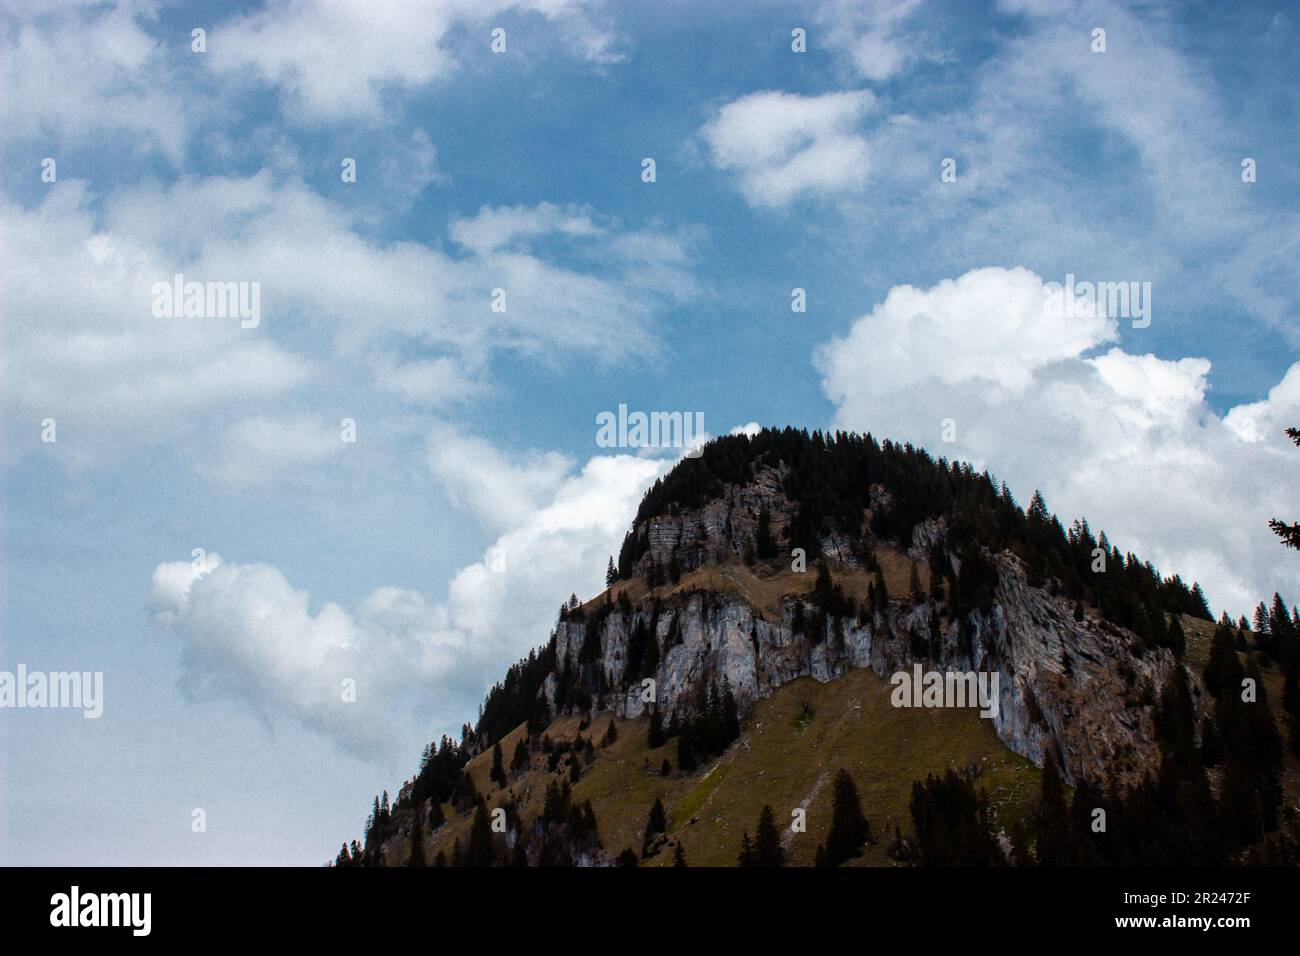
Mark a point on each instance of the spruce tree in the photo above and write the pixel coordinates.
(1086, 846)
(1289, 533)
(767, 840)
(747, 856)
(686, 759)
(1051, 820)
(730, 713)
(679, 856)
(519, 762)
(952, 823)
(417, 842)
(480, 838)
(1174, 637)
(657, 822)
(1200, 607)
(465, 793)
(849, 830)
(498, 773)
(882, 592)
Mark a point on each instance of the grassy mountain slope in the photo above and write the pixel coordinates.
(784, 758)
(790, 746)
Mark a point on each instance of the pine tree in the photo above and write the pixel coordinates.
(465, 793)
(520, 761)
(436, 815)
(626, 859)
(679, 857)
(914, 585)
(590, 830)
(1222, 664)
(480, 838)
(373, 821)
(767, 840)
(655, 825)
(1289, 533)
(882, 592)
(1085, 845)
(686, 760)
(952, 823)
(1175, 639)
(498, 773)
(747, 856)
(1252, 748)
(417, 842)
(849, 830)
(730, 713)
(655, 735)
(1282, 631)
(1200, 606)
(1051, 821)
(938, 567)
(611, 573)
(650, 660)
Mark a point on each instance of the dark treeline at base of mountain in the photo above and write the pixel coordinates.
(1176, 816)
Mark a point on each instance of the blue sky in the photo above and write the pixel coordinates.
(380, 560)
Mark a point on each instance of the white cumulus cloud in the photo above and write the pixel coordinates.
(416, 320)
(334, 60)
(247, 634)
(1126, 439)
(783, 146)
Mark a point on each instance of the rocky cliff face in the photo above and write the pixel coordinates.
(1084, 689)
(727, 527)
